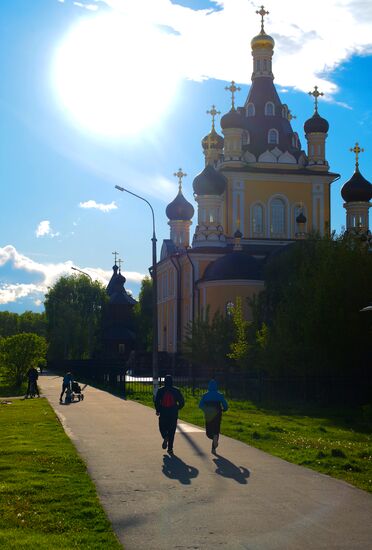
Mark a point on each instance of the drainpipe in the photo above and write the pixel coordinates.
(178, 328)
(193, 287)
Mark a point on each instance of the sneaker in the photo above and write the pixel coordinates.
(170, 452)
(165, 443)
(215, 441)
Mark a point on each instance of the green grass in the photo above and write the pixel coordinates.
(47, 499)
(334, 442)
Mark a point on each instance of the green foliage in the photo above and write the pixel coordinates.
(74, 308)
(29, 321)
(207, 341)
(143, 315)
(240, 347)
(311, 306)
(20, 352)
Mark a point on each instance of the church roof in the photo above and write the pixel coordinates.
(234, 265)
(116, 291)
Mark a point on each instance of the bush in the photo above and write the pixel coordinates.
(19, 353)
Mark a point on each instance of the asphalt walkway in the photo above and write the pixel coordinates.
(240, 499)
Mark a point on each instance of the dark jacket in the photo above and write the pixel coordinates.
(32, 374)
(168, 394)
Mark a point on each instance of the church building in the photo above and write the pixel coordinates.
(258, 192)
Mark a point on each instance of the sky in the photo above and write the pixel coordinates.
(98, 93)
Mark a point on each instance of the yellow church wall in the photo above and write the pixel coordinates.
(217, 294)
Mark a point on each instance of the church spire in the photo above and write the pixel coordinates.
(356, 149)
(262, 50)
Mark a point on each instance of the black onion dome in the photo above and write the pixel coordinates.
(238, 234)
(212, 141)
(232, 119)
(209, 182)
(301, 218)
(357, 189)
(180, 209)
(234, 265)
(316, 124)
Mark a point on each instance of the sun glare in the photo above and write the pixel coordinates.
(116, 76)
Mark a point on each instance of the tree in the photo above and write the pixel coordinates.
(143, 315)
(240, 346)
(73, 309)
(29, 321)
(314, 292)
(207, 341)
(20, 352)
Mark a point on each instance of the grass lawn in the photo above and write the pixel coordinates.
(333, 442)
(47, 499)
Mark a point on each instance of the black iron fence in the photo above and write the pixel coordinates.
(192, 380)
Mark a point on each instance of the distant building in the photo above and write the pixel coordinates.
(118, 324)
(258, 192)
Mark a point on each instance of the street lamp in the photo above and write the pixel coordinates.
(154, 276)
(83, 272)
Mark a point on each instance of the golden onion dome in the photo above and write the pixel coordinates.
(262, 40)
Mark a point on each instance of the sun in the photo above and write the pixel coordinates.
(116, 76)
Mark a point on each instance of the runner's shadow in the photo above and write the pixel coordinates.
(226, 468)
(175, 468)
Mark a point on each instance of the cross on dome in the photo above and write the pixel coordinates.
(120, 262)
(262, 13)
(315, 93)
(213, 114)
(179, 175)
(232, 88)
(116, 254)
(290, 116)
(356, 149)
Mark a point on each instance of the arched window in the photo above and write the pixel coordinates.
(269, 109)
(245, 138)
(250, 109)
(295, 141)
(273, 136)
(265, 65)
(285, 111)
(258, 65)
(257, 219)
(277, 218)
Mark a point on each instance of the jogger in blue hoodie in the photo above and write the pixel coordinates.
(213, 404)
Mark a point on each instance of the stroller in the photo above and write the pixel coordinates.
(77, 392)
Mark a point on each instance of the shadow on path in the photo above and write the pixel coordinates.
(226, 468)
(175, 468)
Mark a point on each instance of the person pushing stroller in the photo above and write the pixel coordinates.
(213, 404)
(66, 385)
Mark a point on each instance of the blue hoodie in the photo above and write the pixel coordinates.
(213, 395)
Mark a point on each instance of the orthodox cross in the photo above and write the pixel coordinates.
(115, 254)
(262, 12)
(232, 88)
(315, 93)
(356, 149)
(213, 113)
(120, 262)
(179, 175)
(290, 116)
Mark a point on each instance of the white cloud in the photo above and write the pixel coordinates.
(44, 229)
(48, 274)
(91, 7)
(308, 45)
(98, 205)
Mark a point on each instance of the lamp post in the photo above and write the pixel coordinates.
(83, 272)
(154, 276)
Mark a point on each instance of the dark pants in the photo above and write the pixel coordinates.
(167, 427)
(213, 414)
(64, 388)
(32, 387)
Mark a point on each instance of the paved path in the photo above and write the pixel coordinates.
(241, 499)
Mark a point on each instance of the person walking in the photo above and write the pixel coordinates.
(66, 384)
(32, 389)
(213, 404)
(168, 401)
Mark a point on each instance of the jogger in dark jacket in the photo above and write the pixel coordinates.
(213, 404)
(168, 401)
